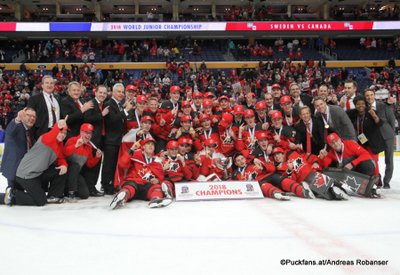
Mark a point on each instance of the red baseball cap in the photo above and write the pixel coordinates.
(197, 94)
(207, 103)
(261, 105)
(226, 120)
(278, 150)
(210, 141)
(223, 97)
(146, 118)
(148, 139)
(131, 87)
(175, 89)
(185, 118)
(172, 145)
(276, 114)
(204, 117)
(332, 137)
(248, 113)
(238, 110)
(276, 86)
(261, 135)
(285, 99)
(184, 140)
(141, 99)
(87, 127)
(185, 103)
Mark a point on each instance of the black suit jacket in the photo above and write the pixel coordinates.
(38, 103)
(301, 136)
(370, 129)
(94, 117)
(75, 116)
(114, 123)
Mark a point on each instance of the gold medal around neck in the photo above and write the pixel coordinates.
(326, 126)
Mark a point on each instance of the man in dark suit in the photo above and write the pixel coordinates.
(19, 139)
(334, 120)
(385, 113)
(95, 116)
(307, 132)
(46, 106)
(74, 108)
(114, 126)
(300, 99)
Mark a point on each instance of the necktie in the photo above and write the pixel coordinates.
(28, 139)
(348, 104)
(78, 104)
(103, 130)
(53, 110)
(120, 106)
(308, 145)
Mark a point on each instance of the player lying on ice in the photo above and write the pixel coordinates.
(144, 178)
(271, 183)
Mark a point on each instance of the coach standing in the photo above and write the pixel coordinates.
(46, 106)
(114, 126)
(387, 130)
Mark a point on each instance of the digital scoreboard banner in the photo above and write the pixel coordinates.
(290, 26)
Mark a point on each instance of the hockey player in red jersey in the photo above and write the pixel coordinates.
(184, 149)
(261, 172)
(227, 136)
(348, 154)
(144, 179)
(247, 133)
(205, 132)
(282, 135)
(295, 166)
(209, 156)
(174, 165)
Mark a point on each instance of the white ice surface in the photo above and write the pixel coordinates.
(217, 237)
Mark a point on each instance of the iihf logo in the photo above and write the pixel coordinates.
(348, 25)
(184, 189)
(251, 26)
(249, 187)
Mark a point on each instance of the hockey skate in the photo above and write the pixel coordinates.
(119, 200)
(162, 202)
(9, 197)
(339, 194)
(307, 192)
(281, 196)
(55, 200)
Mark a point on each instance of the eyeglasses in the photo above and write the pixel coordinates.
(184, 145)
(212, 146)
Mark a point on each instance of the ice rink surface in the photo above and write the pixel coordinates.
(213, 237)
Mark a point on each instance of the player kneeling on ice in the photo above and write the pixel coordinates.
(350, 164)
(299, 170)
(144, 178)
(271, 183)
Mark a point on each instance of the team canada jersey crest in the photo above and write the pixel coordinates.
(146, 174)
(174, 166)
(226, 138)
(297, 163)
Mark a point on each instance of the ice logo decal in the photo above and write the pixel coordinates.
(184, 189)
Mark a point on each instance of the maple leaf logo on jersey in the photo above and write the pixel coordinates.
(252, 176)
(148, 176)
(173, 167)
(297, 163)
(352, 183)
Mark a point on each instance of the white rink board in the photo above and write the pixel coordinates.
(217, 190)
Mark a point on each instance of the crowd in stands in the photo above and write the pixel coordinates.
(234, 13)
(182, 48)
(17, 86)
